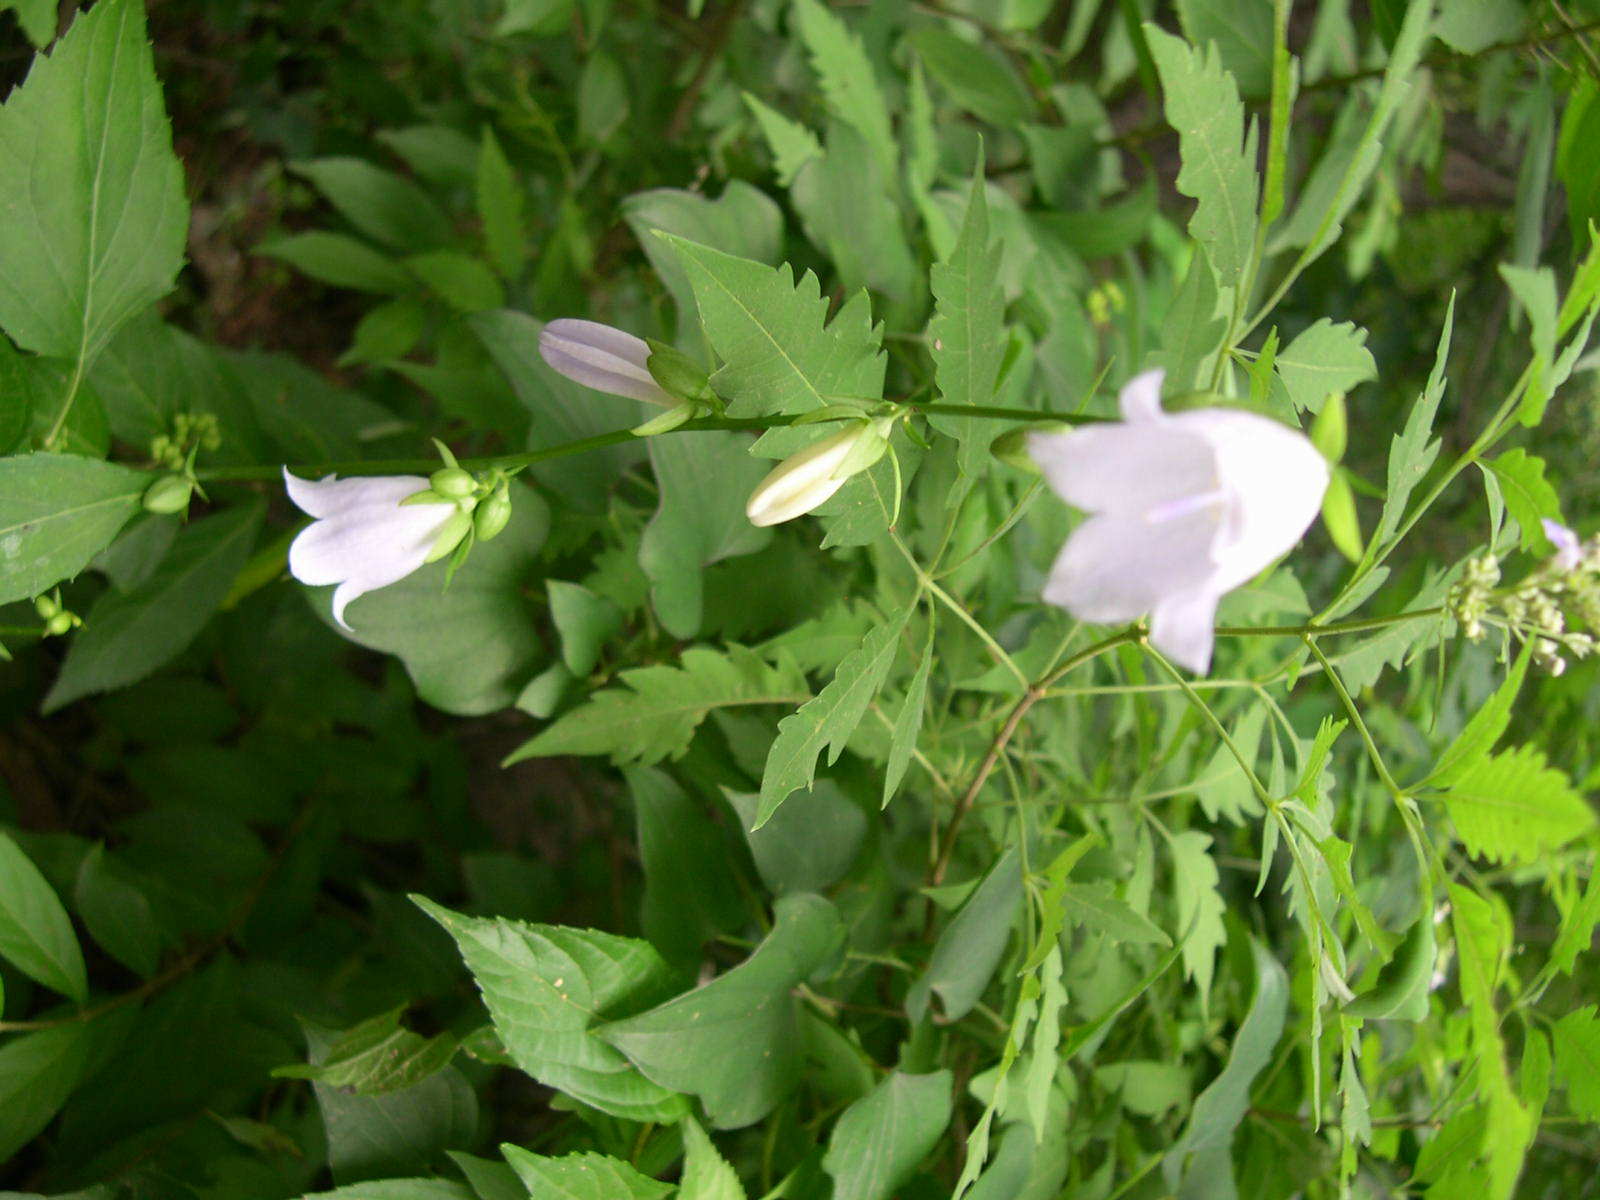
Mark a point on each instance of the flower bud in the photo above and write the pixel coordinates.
(603, 358)
(61, 623)
(452, 483)
(492, 514)
(1330, 429)
(46, 606)
(456, 526)
(169, 494)
(809, 478)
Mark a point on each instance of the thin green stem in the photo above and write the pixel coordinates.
(1214, 721)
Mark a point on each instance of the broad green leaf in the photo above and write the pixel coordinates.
(397, 1189)
(655, 714)
(309, 419)
(882, 1137)
(57, 511)
(1478, 736)
(1401, 989)
(376, 1057)
(791, 143)
(1202, 103)
(830, 718)
(1148, 1088)
(703, 479)
(849, 84)
(734, 1042)
(602, 97)
(35, 934)
(584, 622)
(907, 726)
(706, 1175)
(560, 410)
(116, 913)
(1471, 26)
(1413, 450)
(1513, 807)
(95, 209)
(1529, 496)
(38, 1071)
(967, 333)
(384, 206)
(690, 893)
(1200, 908)
(546, 986)
(1577, 1046)
(341, 261)
(387, 332)
(1101, 232)
(469, 646)
(582, 1177)
(127, 635)
(1219, 1110)
(489, 1180)
(1577, 928)
(1323, 359)
(1223, 789)
(1578, 155)
(461, 281)
(810, 843)
(768, 330)
(969, 948)
(396, 1133)
(1193, 329)
(742, 221)
(977, 78)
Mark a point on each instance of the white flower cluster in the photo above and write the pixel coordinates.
(1182, 507)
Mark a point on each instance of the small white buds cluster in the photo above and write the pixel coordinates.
(1562, 591)
(808, 479)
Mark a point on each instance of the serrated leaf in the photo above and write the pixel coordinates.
(881, 1138)
(376, 1057)
(1325, 358)
(1095, 906)
(849, 84)
(1201, 102)
(127, 635)
(57, 511)
(655, 714)
(546, 986)
(1513, 807)
(1577, 1046)
(93, 196)
(978, 78)
(1529, 496)
(1413, 450)
(1200, 907)
(706, 1174)
(734, 1042)
(1194, 326)
(791, 143)
(1478, 736)
(811, 842)
(341, 261)
(830, 718)
(769, 331)
(499, 201)
(582, 1177)
(967, 333)
(36, 935)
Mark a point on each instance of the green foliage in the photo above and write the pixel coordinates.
(631, 850)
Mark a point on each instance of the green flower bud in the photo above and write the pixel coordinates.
(59, 624)
(492, 514)
(453, 482)
(677, 373)
(169, 494)
(456, 526)
(46, 606)
(1011, 448)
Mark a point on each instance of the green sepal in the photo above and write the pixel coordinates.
(667, 421)
(677, 373)
(831, 412)
(1340, 518)
(426, 496)
(444, 453)
(1011, 448)
(869, 447)
(1330, 430)
(456, 527)
(492, 514)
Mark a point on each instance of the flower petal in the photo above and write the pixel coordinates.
(1276, 479)
(601, 357)
(1126, 468)
(1182, 626)
(329, 495)
(378, 545)
(1116, 568)
(1140, 398)
(804, 480)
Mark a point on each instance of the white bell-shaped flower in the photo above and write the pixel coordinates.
(363, 538)
(603, 358)
(1184, 507)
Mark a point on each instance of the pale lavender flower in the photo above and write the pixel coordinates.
(603, 358)
(1569, 547)
(1184, 508)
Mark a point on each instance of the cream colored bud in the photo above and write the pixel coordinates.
(806, 479)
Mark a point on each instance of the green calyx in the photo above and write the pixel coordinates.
(169, 494)
(456, 526)
(678, 374)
